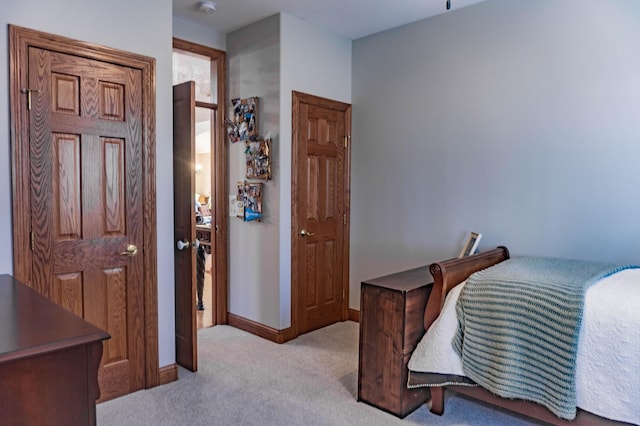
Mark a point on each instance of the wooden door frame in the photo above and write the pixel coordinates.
(304, 98)
(219, 240)
(20, 39)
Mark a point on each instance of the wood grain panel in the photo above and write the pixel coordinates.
(93, 210)
(98, 254)
(113, 190)
(115, 285)
(330, 188)
(327, 269)
(313, 197)
(323, 136)
(111, 101)
(134, 223)
(311, 287)
(94, 295)
(332, 134)
(67, 292)
(39, 177)
(390, 315)
(312, 131)
(65, 94)
(89, 125)
(114, 379)
(88, 105)
(66, 186)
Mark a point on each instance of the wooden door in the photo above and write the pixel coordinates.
(320, 204)
(219, 185)
(85, 136)
(184, 149)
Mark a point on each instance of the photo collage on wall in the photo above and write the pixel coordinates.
(245, 120)
(258, 156)
(250, 193)
(243, 127)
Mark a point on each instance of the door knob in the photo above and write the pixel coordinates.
(196, 244)
(181, 245)
(306, 233)
(131, 250)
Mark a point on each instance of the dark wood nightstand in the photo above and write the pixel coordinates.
(391, 325)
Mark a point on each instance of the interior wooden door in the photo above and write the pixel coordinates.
(184, 154)
(219, 185)
(85, 142)
(320, 203)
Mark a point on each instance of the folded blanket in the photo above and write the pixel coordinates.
(518, 328)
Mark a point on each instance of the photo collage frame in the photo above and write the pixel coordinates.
(250, 194)
(243, 127)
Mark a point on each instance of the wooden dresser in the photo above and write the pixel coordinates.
(386, 305)
(49, 360)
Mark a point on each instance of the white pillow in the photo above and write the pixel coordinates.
(435, 352)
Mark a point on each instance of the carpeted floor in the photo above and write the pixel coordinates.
(246, 380)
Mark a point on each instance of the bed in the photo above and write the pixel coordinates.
(607, 375)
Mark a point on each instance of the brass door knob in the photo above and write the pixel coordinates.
(131, 250)
(306, 233)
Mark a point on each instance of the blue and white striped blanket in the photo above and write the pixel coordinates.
(518, 328)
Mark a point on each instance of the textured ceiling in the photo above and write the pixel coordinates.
(350, 18)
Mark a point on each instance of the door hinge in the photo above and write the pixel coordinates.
(32, 240)
(346, 141)
(344, 219)
(29, 92)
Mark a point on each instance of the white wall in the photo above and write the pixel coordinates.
(516, 119)
(143, 27)
(199, 34)
(253, 58)
(269, 59)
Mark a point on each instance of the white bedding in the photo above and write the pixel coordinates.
(608, 361)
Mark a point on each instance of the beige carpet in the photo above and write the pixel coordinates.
(246, 380)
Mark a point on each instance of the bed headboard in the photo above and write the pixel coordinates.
(449, 273)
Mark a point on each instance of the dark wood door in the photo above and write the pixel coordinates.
(320, 200)
(86, 202)
(184, 148)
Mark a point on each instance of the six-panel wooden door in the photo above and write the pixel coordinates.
(85, 135)
(321, 211)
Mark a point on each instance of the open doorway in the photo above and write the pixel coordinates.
(206, 239)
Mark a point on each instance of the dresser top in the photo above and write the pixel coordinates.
(31, 324)
(403, 281)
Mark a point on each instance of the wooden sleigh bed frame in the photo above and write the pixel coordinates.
(447, 275)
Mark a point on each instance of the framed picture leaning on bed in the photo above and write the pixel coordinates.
(471, 245)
